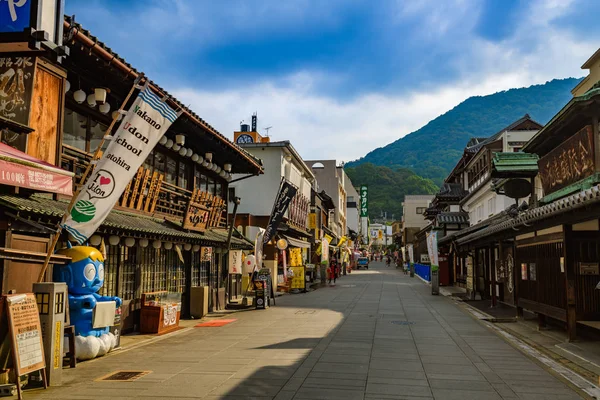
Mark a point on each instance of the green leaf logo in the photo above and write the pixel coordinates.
(83, 211)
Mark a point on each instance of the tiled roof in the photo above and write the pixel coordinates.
(130, 222)
(576, 201)
(451, 191)
(452, 218)
(511, 163)
(475, 148)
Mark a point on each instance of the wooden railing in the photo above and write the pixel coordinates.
(148, 192)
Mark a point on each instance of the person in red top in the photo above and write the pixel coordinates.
(332, 270)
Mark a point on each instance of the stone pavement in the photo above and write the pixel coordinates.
(378, 334)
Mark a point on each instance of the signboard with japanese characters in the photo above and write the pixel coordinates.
(570, 162)
(235, 261)
(364, 201)
(16, 88)
(26, 333)
(196, 217)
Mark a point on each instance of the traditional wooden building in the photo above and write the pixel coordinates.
(148, 239)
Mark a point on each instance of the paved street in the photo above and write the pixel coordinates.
(377, 335)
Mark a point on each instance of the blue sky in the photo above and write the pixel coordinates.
(341, 77)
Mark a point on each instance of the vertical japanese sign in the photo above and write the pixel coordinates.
(282, 202)
(364, 201)
(235, 261)
(258, 248)
(145, 123)
(411, 254)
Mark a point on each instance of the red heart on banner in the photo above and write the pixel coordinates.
(104, 180)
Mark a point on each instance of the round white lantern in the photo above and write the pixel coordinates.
(176, 147)
(67, 86)
(196, 247)
(187, 247)
(222, 174)
(163, 140)
(129, 242)
(117, 115)
(182, 151)
(91, 100)
(195, 157)
(156, 244)
(143, 243)
(168, 245)
(95, 240)
(79, 96)
(200, 159)
(114, 240)
(189, 152)
(169, 143)
(104, 108)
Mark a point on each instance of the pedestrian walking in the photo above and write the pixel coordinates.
(333, 270)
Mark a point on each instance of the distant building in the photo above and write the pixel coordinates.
(413, 211)
(593, 67)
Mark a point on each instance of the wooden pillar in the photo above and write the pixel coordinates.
(596, 142)
(568, 254)
(541, 322)
(493, 274)
(516, 276)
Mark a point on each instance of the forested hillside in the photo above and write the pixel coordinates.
(388, 186)
(433, 150)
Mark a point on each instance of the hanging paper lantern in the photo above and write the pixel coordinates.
(67, 86)
(143, 243)
(196, 247)
(163, 140)
(156, 244)
(95, 240)
(195, 157)
(104, 108)
(79, 96)
(91, 100)
(169, 143)
(189, 152)
(187, 247)
(114, 240)
(168, 245)
(176, 147)
(129, 242)
(182, 151)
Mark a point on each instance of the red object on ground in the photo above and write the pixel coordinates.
(21, 169)
(214, 324)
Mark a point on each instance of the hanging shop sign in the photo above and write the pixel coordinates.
(570, 162)
(16, 87)
(298, 280)
(284, 197)
(411, 253)
(470, 273)
(235, 261)
(206, 254)
(196, 217)
(145, 123)
(312, 221)
(24, 24)
(295, 257)
(364, 201)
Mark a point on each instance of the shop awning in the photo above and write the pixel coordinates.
(22, 170)
(297, 243)
(131, 223)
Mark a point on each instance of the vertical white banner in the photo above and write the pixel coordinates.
(258, 248)
(324, 250)
(411, 254)
(432, 248)
(145, 123)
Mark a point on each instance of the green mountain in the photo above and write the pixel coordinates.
(388, 186)
(433, 150)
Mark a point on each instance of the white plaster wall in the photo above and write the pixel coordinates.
(411, 218)
(258, 192)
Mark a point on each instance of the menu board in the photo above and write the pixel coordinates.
(26, 333)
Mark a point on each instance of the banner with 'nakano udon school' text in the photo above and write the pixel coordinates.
(144, 124)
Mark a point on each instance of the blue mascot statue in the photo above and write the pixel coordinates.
(84, 276)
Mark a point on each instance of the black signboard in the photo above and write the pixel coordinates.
(16, 87)
(286, 193)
